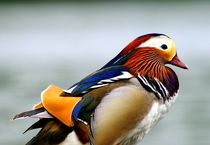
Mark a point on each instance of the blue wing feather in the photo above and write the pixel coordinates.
(96, 80)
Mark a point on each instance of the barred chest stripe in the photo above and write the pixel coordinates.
(155, 86)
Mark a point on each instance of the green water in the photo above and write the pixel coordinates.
(60, 43)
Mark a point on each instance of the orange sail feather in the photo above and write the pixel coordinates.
(58, 106)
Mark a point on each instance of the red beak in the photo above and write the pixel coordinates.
(177, 62)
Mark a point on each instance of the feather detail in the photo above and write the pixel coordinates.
(152, 67)
(130, 49)
(117, 104)
(60, 107)
(39, 124)
(99, 79)
(155, 86)
(38, 113)
(118, 112)
(82, 131)
(53, 132)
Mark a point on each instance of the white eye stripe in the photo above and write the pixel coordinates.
(158, 42)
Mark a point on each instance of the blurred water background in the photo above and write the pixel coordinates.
(61, 42)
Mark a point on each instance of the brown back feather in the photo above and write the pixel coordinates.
(52, 133)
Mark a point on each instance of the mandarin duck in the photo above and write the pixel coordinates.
(117, 104)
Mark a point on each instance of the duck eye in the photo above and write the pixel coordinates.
(164, 46)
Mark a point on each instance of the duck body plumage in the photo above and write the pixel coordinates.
(117, 104)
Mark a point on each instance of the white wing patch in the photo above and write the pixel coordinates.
(70, 90)
(125, 75)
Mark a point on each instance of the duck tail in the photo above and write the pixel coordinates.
(52, 132)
